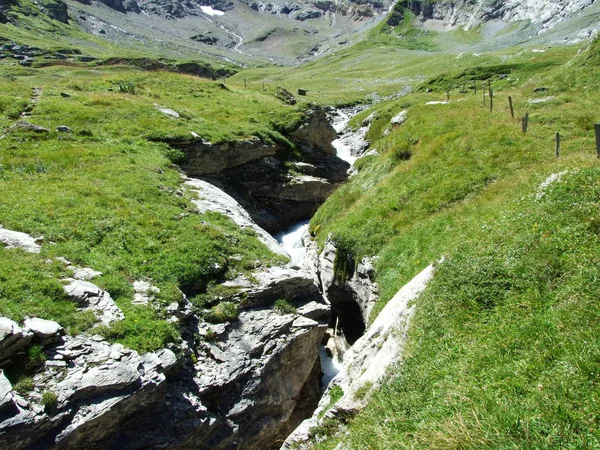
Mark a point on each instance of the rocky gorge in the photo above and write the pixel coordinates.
(244, 383)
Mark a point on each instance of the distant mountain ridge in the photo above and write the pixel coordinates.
(284, 31)
(470, 13)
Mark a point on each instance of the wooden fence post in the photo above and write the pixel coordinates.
(525, 122)
(475, 87)
(448, 95)
(483, 95)
(245, 83)
(512, 109)
(557, 146)
(491, 99)
(597, 130)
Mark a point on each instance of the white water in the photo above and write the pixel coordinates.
(291, 241)
(343, 150)
(329, 365)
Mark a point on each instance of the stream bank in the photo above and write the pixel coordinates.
(244, 383)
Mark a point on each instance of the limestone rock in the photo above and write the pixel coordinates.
(316, 132)
(88, 295)
(6, 396)
(85, 273)
(12, 338)
(99, 387)
(26, 126)
(399, 118)
(241, 392)
(211, 198)
(167, 111)
(16, 239)
(204, 158)
(42, 328)
(367, 361)
(314, 310)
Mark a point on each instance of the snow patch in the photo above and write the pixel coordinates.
(211, 11)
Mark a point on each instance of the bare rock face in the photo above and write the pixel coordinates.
(275, 191)
(204, 158)
(90, 296)
(95, 386)
(13, 339)
(316, 132)
(56, 9)
(350, 288)
(244, 384)
(366, 362)
(543, 14)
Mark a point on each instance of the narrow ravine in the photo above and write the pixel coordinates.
(349, 145)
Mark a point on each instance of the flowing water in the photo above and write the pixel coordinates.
(291, 241)
(348, 146)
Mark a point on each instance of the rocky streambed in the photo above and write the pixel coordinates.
(244, 384)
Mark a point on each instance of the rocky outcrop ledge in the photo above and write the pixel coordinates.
(244, 384)
(365, 363)
(276, 185)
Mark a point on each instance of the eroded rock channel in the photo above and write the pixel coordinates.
(243, 384)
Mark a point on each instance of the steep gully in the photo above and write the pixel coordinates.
(279, 194)
(244, 384)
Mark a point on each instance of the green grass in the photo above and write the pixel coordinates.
(107, 196)
(503, 350)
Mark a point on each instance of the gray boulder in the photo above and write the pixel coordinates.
(43, 329)
(17, 239)
(90, 296)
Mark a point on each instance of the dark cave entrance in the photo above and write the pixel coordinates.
(346, 313)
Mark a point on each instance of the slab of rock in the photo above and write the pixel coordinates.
(399, 118)
(204, 158)
(85, 273)
(90, 296)
(44, 329)
(167, 111)
(6, 396)
(16, 239)
(26, 126)
(98, 380)
(367, 361)
(211, 198)
(12, 339)
(100, 388)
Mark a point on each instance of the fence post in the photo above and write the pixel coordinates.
(597, 130)
(448, 95)
(525, 122)
(557, 147)
(483, 94)
(512, 109)
(491, 99)
(245, 83)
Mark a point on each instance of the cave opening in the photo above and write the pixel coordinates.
(346, 314)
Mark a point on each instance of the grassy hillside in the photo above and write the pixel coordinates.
(503, 351)
(106, 195)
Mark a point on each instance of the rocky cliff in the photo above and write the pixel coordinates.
(244, 381)
(469, 13)
(277, 185)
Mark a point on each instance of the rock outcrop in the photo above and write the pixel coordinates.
(276, 187)
(349, 287)
(244, 384)
(17, 239)
(366, 362)
(469, 13)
